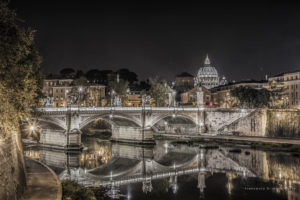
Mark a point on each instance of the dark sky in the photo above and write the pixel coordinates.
(242, 40)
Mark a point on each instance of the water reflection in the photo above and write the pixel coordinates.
(97, 153)
(176, 171)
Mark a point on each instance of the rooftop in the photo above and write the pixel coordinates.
(184, 74)
(288, 72)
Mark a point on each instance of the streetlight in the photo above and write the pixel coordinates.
(80, 89)
(32, 128)
(111, 97)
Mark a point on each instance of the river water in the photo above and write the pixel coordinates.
(171, 170)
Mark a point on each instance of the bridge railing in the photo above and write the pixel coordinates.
(80, 109)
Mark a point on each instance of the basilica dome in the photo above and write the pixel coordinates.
(207, 76)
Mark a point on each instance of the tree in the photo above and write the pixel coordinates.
(20, 91)
(78, 93)
(159, 90)
(79, 74)
(74, 191)
(67, 72)
(93, 75)
(127, 75)
(99, 76)
(20, 76)
(119, 88)
(251, 98)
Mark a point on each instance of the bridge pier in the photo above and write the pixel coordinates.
(60, 139)
(128, 134)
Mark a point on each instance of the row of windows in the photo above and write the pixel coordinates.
(294, 94)
(294, 102)
(292, 78)
(54, 83)
(293, 86)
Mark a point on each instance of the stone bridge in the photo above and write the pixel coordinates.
(61, 127)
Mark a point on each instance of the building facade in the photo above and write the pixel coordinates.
(132, 99)
(189, 98)
(184, 81)
(56, 93)
(287, 86)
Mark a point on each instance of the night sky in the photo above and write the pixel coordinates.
(242, 40)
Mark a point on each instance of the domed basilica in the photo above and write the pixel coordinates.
(207, 76)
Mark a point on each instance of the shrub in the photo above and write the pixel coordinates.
(74, 191)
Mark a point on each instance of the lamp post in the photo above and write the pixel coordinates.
(111, 98)
(80, 91)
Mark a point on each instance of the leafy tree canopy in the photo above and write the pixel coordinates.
(118, 87)
(159, 90)
(67, 72)
(20, 76)
(99, 76)
(251, 98)
(127, 75)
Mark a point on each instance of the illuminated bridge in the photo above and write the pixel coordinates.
(61, 127)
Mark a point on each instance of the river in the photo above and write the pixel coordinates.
(171, 170)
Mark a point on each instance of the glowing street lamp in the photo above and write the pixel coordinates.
(31, 127)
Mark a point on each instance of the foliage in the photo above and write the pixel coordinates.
(251, 98)
(120, 87)
(67, 72)
(127, 75)
(78, 92)
(74, 191)
(98, 76)
(159, 90)
(20, 76)
(278, 99)
(79, 74)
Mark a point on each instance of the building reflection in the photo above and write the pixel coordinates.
(97, 154)
(32, 153)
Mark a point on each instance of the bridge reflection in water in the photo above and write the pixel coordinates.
(113, 165)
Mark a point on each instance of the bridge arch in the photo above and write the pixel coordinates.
(52, 121)
(113, 120)
(164, 116)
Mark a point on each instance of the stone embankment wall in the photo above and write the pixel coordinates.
(268, 123)
(12, 167)
(283, 123)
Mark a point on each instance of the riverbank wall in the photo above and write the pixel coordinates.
(277, 123)
(12, 167)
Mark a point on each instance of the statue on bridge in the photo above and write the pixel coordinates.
(146, 101)
(172, 96)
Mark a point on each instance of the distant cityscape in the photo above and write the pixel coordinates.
(214, 91)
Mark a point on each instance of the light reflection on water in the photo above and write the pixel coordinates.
(220, 174)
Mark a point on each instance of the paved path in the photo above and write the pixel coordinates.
(237, 138)
(42, 182)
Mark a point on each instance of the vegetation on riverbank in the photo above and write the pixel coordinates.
(74, 191)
